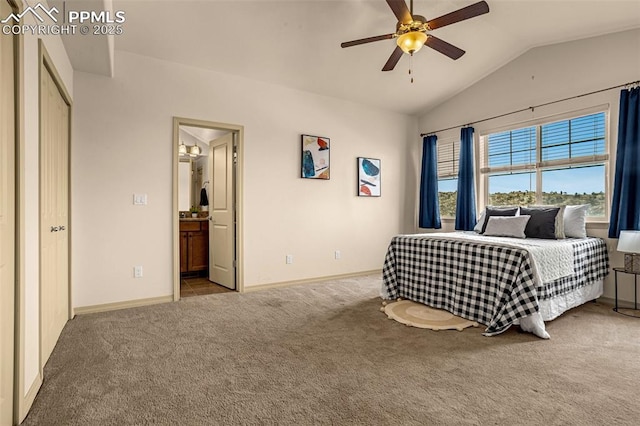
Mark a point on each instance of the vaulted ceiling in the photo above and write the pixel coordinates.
(296, 43)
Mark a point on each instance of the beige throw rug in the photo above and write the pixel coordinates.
(422, 316)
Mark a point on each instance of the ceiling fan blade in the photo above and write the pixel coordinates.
(400, 9)
(443, 47)
(366, 40)
(393, 59)
(471, 11)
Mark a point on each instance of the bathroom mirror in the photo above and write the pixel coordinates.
(193, 169)
(184, 185)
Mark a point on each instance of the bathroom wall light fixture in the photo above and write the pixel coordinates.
(195, 151)
(182, 149)
(191, 151)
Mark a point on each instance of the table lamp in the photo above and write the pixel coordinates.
(629, 244)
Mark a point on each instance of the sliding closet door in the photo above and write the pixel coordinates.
(7, 220)
(54, 217)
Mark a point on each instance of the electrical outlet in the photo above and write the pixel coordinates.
(140, 199)
(289, 259)
(137, 272)
(337, 254)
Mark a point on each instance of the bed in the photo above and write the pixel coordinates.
(496, 281)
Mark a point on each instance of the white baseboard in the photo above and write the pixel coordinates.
(121, 305)
(626, 304)
(281, 284)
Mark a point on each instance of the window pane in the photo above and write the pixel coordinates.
(499, 160)
(581, 136)
(590, 127)
(578, 185)
(448, 154)
(512, 148)
(555, 152)
(448, 194)
(555, 133)
(580, 149)
(512, 189)
(499, 143)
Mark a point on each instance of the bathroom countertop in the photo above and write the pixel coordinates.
(193, 219)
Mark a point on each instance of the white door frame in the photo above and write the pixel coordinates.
(238, 185)
(23, 395)
(10, 199)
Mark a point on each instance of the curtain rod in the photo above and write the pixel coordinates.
(531, 108)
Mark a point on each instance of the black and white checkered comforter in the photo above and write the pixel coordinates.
(482, 281)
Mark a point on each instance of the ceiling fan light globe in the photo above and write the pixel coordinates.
(412, 41)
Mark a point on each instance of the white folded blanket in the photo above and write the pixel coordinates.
(553, 259)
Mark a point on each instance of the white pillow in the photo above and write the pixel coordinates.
(507, 226)
(478, 227)
(575, 218)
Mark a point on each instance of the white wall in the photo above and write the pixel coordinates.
(28, 254)
(123, 144)
(541, 75)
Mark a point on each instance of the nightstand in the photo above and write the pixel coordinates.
(635, 314)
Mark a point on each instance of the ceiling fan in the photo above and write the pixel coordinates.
(413, 31)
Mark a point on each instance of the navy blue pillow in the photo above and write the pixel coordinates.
(490, 211)
(542, 223)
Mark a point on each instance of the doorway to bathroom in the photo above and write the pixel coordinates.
(207, 207)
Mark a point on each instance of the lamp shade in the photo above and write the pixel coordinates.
(629, 242)
(412, 41)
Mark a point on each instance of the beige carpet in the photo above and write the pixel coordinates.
(418, 315)
(324, 354)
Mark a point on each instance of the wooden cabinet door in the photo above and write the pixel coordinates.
(198, 251)
(183, 252)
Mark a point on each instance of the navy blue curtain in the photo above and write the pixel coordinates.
(466, 203)
(429, 215)
(625, 206)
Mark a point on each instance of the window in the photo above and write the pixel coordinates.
(561, 162)
(448, 157)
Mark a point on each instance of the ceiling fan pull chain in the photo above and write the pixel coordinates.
(411, 65)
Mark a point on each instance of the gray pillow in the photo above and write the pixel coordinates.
(542, 223)
(498, 211)
(507, 226)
